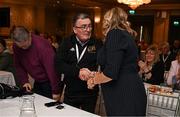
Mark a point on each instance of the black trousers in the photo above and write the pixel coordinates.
(87, 103)
(43, 88)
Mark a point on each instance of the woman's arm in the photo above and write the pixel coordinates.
(99, 78)
(171, 73)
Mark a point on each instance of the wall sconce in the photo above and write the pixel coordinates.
(97, 14)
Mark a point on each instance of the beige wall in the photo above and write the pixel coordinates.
(40, 18)
(161, 28)
(19, 15)
(55, 20)
(27, 15)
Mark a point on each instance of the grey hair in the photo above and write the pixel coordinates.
(80, 16)
(19, 33)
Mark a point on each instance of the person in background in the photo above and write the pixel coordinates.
(34, 55)
(166, 56)
(6, 58)
(174, 73)
(143, 45)
(75, 57)
(55, 43)
(50, 39)
(152, 69)
(123, 91)
(175, 47)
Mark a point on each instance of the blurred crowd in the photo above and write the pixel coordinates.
(53, 61)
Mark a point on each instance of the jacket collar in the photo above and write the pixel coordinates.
(74, 40)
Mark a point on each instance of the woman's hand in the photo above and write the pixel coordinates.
(98, 79)
(144, 68)
(141, 64)
(90, 83)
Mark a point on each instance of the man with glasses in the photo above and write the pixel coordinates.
(75, 58)
(34, 55)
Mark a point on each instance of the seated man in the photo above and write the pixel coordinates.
(167, 56)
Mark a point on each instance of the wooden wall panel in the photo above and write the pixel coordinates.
(161, 27)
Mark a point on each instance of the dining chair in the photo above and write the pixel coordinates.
(100, 108)
(161, 105)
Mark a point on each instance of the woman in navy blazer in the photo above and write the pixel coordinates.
(123, 90)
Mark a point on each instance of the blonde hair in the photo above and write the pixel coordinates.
(154, 48)
(116, 18)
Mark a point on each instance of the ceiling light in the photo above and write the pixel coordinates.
(133, 4)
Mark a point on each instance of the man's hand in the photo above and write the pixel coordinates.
(84, 74)
(56, 97)
(28, 87)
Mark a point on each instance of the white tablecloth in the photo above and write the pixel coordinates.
(11, 108)
(7, 78)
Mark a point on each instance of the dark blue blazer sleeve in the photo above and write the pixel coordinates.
(115, 48)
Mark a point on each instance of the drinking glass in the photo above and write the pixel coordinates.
(27, 108)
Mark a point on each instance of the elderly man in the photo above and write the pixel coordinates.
(167, 56)
(75, 57)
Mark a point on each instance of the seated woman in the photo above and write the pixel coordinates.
(6, 58)
(151, 69)
(174, 73)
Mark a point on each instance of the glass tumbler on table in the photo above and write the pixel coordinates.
(27, 108)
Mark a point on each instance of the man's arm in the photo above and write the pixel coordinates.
(21, 73)
(46, 54)
(61, 64)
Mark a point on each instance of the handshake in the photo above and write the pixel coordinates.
(86, 75)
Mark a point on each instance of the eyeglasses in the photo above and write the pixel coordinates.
(84, 27)
(150, 53)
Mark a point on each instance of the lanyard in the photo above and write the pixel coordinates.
(77, 53)
(164, 59)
